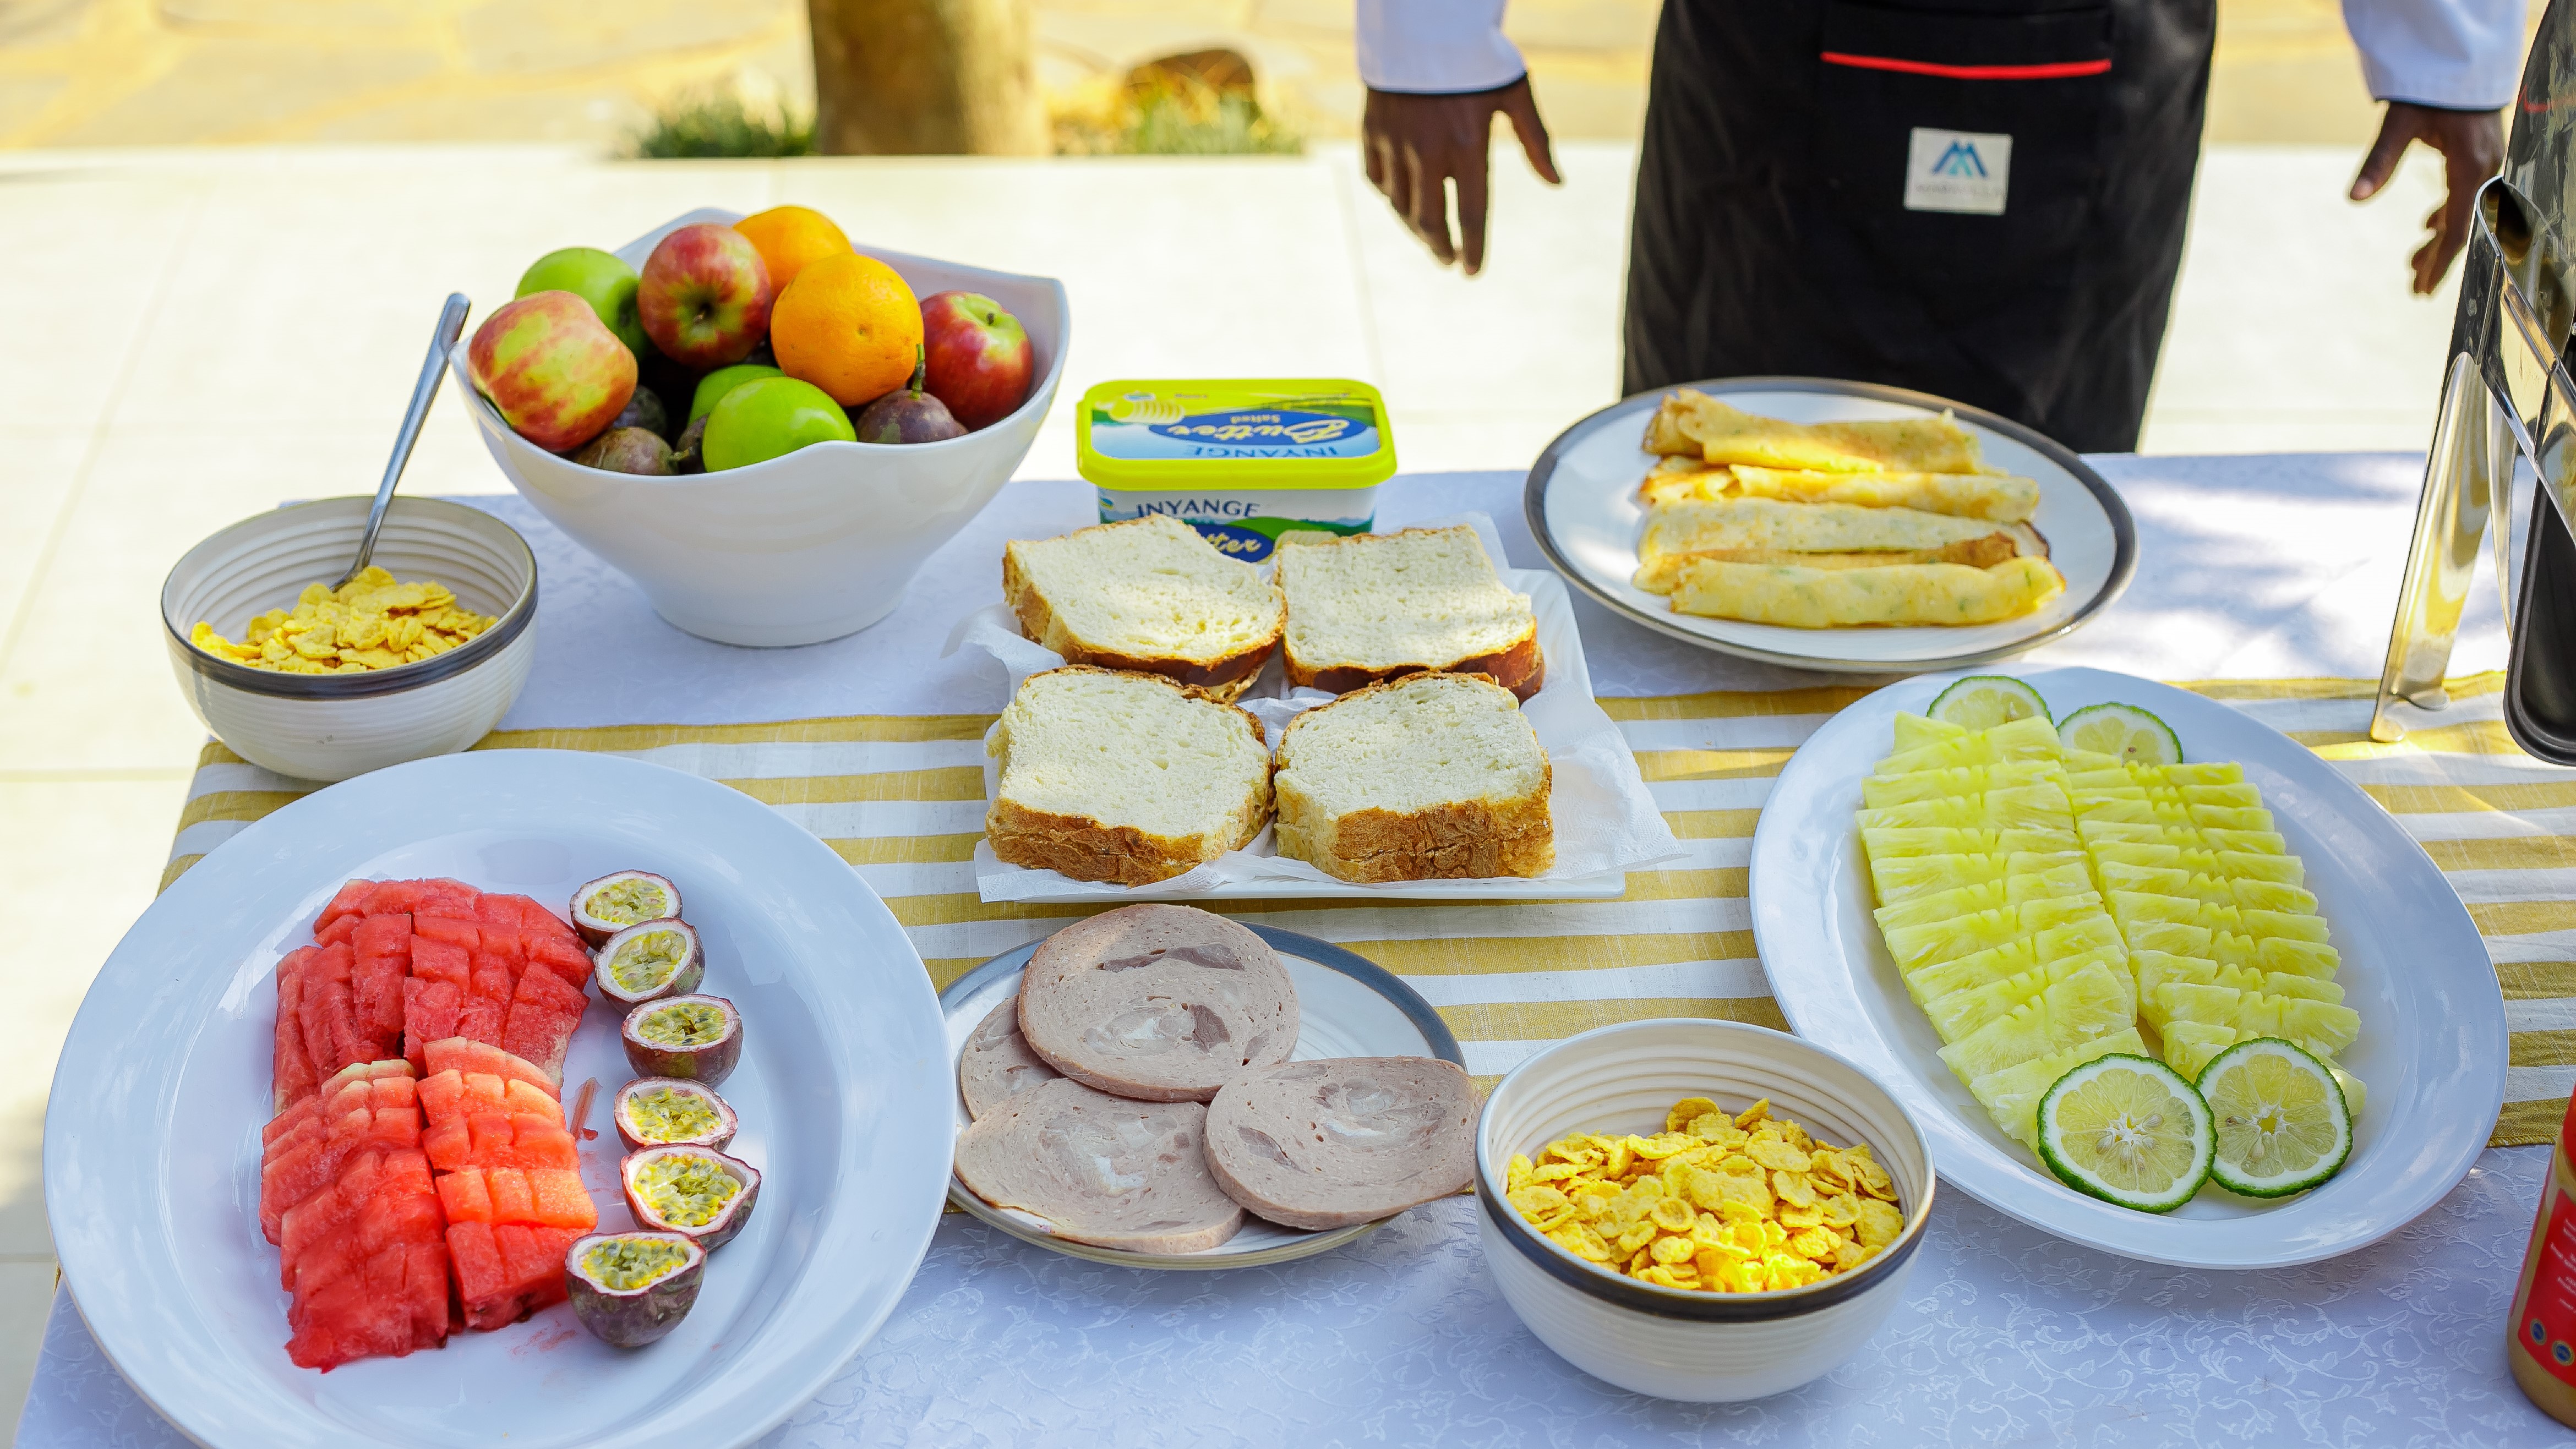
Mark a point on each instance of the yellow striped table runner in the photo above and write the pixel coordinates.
(901, 798)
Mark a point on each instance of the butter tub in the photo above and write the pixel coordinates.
(1242, 460)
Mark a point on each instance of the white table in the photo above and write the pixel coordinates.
(2251, 567)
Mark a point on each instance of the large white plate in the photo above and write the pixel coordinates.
(152, 1137)
(2432, 1047)
(1347, 1006)
(1583, 510)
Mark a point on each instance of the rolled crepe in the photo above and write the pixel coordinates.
(1807, 598)
(1725, 434)
(1996, 497)
(1676, 532)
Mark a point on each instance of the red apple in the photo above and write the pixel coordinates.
(555, 371)
(704, 296)
(979, 356)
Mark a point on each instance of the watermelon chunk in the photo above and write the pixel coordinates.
(452, 1096)
(445, 929)
(507, 1271)
(543, 1196)
(291, 1074)
(459, 1054)
(430, 1011)
(434, 897)
(500, 1139)
(486, 1009)
(323, 1011)
(351, 901)
(544, 1010)
(299, 1167)
(381, 947)
(368, 1264)
(306, 1108)
(338, 932)
(562, 955)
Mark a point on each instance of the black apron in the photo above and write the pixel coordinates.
(2046, 148)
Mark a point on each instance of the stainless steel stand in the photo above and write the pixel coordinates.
(2507, 392)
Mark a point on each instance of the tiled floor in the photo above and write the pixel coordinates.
(220, 330)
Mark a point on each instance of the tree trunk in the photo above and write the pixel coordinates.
(925, 77)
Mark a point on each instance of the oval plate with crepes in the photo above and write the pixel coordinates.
(1962, 520)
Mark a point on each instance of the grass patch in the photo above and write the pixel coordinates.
(720, 126)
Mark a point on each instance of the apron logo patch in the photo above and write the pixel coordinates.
(1962, 171)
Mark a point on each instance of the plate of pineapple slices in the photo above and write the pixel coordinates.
(2151, 975)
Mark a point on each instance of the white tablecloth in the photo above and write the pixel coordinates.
(2259, 567)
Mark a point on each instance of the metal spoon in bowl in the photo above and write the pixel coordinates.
(451, 326)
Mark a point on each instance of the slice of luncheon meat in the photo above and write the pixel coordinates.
(997, 1064)
(1324, 1144)
(1100, 1169)
(1158, 1003)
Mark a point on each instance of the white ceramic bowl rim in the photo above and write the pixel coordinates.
(1444, 1045)
(1626, 1292)
(513, 621)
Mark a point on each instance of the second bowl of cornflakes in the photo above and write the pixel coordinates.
(1699, 1210)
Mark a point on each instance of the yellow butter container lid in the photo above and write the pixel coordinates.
(1302, 432)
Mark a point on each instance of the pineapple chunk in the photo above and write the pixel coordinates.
(2172, 814)
(2315, 988)
(2093, 936)
(2022, 807)
(2156, 969)
(2354, 1093)
(1914, 731)
(2012, 1095)
(2323, 1027)
(2169, 936)
(2065, 880)
(2244, 819)
(1951, 840)
(2022, 739)
(2190, 1044)
(2243, 865)
(1910, 877)
(2167, 881)
(2205, 772)
(2132, 908)
(2285, 926)
(2265, 841)
(1877, 794)
(1961, 1013)
(1916, 947)
(2297, 958)
(2273, 895)
(2093, 1002)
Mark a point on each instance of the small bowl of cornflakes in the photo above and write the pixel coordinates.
(420, 655)
(1699, 1210)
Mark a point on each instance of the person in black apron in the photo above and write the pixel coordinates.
(1984, 201)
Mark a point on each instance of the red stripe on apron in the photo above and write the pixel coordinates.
(2053, 70)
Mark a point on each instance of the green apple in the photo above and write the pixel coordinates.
(596, 277)
(771, 417)
(713, 386)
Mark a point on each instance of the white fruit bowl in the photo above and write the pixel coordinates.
(1667, 1342)
(810, 546)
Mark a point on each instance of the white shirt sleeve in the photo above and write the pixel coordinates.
(2458, 54)
(1439, 47)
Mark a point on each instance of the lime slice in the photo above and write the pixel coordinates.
(2122, 731)
(2127, 1129)
(2283, 1125)
(1983, 701)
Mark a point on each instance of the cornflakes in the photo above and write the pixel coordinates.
(371, 622)
(1748, 1203)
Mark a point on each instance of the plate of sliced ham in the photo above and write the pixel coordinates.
(1156, 1028)
(336, 1108)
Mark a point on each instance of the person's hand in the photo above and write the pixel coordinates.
(1417, 147)
(2472, 147)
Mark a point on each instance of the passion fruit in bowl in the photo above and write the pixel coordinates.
(616, 901)
(671, 1112)
(695, 1038)
(629, 1289)
(697, 1192)
(651, 960)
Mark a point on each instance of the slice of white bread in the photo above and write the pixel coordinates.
(1124, 777)
(1426, 777)
(1379, 606)
(1149, 594)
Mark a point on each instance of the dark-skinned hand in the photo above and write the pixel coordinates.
(1418, 147)
(2472, 147)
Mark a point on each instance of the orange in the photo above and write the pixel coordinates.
(849, 326)
(791, 238)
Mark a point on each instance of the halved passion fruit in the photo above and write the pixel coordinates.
(696, 1192)
(612, 903)
(695, 1038)
(652, 960)
(629, 1289)
(669, 1112)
